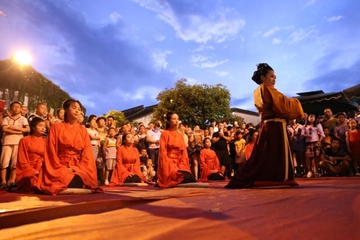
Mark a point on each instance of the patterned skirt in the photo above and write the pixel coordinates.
(313, 149)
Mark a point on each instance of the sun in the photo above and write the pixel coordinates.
(22, 57)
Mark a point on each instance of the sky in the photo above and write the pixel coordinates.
(119, 54)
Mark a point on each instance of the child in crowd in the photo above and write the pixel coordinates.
(326, 142)
(148, 171)
(100, 160)
(143, 156)
(313, 133)
(109, 151)
(13, 128)
(94, 135)
(239, 148)
(353, 144)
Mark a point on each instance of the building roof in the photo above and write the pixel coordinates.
(138, 112)
(316, 101)
(239, 110)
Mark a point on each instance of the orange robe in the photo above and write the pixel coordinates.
(30, 158)
(208, 163)
(68, 146)
(173, 157)
(248, 150)
(127, 161)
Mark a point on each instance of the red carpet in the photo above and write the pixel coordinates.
(322, 208)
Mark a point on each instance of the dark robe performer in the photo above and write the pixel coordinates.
(270, 163)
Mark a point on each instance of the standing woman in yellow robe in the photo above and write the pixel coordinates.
(270, 163)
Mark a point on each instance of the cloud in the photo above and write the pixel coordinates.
(192, 81)
(301, 35)
(115, 17)
(333, 79)
(198, 58)
(334, 18)
(222, 73)
(271, 32)
(213, 64)
(160, 57)
(2, 13)
(89, 61)
(310, 3)
(205, 62)
(159, 37)
(276, 41)
(192, 25)
(202, 48)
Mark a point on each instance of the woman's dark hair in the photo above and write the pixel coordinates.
(58, 110)
(315, 123)
(67, 103)
(91, 117)
(262, 70)
(168, 117)
(207, 138)
(123, 138)
(250, 135)
(35, 121)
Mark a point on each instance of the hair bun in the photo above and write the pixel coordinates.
(262, 69)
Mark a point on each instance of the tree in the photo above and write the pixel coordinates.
(26, 81)
(195, 104)
(118, 116)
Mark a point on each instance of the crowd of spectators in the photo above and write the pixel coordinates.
(321, 145)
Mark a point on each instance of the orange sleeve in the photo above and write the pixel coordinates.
(283, 107)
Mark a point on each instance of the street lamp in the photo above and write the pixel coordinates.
(22, 57)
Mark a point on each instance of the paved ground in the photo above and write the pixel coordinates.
(321, 208)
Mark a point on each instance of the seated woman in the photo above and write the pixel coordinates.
(127, 169)
(173, 158)
(69, 161)
(209, 163)
(31, 156)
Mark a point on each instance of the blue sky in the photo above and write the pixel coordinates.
(118, 54)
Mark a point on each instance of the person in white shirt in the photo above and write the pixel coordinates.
(153, 139)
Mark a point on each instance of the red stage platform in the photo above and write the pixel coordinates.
(320, 208)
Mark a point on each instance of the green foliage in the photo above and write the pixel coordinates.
(27, 80)
(195, 104)
(118, 116)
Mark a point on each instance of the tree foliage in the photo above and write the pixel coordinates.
(195, 104)
(26, 80)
